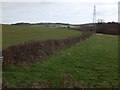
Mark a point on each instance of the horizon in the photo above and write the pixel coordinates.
(53, 23)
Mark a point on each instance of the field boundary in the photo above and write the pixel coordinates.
(31, 51)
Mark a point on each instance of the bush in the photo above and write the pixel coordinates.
(31, 51)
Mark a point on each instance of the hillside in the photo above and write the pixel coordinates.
(15, 34)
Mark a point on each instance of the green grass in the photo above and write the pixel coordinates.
(13, 34)
(92, 63)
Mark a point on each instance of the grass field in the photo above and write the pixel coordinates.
(92, 63)
(13, 34)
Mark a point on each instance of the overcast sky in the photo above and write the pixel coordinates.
(96, 1)
(66, 11)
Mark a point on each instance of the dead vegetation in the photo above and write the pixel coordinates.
(31, 51)
(65, 81)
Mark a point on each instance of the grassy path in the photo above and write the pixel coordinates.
(92, 63)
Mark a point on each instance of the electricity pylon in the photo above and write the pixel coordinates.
(94, 18)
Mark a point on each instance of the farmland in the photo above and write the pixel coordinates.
(15, 34)
(90, 63)
(69, 44)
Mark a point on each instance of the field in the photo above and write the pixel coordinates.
(13, 34)
(91, 63)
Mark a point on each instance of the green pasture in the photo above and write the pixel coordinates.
(15, 34)
(90, 63)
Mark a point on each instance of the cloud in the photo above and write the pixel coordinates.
(63, 1)
(63, 12)
(119, 12)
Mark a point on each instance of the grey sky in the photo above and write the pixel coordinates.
(67, 11)
(119, 12)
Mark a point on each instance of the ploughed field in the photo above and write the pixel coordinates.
(16, 34)
(90, 63)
